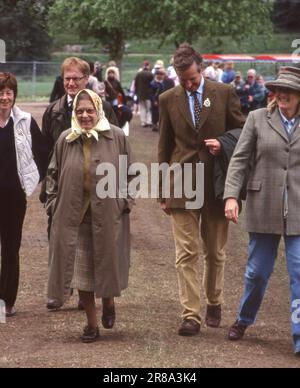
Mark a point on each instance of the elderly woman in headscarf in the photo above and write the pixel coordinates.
(90, 237)
(271, 140)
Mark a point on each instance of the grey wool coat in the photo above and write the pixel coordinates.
(110, 217)
(276, 166)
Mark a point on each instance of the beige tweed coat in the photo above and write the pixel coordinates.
(276, 166)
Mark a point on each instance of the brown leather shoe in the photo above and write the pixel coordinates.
(108, 314)
(237, 331)
(213, 316)
(189, 327)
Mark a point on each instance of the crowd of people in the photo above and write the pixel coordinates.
(150, 83)
(142, 98)
(249, 151)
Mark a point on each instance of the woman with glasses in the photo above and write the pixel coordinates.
(89, 242)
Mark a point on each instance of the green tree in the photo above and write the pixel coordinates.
(286, 15)
(110, 22)
(188, 20)
(23, 27)
(113, 22)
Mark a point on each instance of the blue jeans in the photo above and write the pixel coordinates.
(262, 255)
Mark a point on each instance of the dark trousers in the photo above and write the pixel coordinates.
(155, 113)
(12, 214)
(123, 114)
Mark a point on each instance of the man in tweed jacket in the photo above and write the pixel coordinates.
(192, 116)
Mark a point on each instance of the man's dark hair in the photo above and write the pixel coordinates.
(185, 56)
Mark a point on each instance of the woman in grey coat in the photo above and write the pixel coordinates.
(90, 235)
(271, 140)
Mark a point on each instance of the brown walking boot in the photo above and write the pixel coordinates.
(213, 316)
(189, 327)
(237, 331)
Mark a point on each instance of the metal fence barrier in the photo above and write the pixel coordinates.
(36, 79)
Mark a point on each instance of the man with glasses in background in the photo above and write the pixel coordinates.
(57, 117)
(253, 93)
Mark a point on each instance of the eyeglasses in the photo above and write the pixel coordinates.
(80, 112)
(74, 79)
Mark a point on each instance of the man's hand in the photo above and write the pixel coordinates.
(214, 146)
(232, 210)
(164, 208)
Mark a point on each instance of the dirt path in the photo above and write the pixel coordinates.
(148, 314)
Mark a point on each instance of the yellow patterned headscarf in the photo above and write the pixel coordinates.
(101, 125)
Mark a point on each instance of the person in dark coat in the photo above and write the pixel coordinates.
(57, 117)
(159, 85)
(228, 142)
(58, 89)
(116, 97)
(143, 91)
(254, 95)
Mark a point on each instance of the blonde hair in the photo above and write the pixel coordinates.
(273, 105)
(71, 62)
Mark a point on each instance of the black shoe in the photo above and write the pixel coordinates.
(108, 315)
(189, 327)
(10, 312)
(53, 304)
(90, 335)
